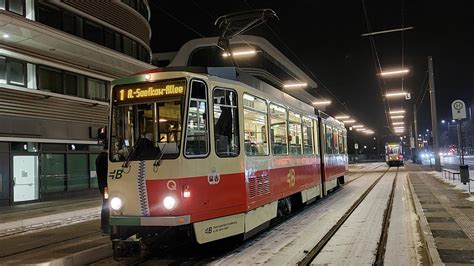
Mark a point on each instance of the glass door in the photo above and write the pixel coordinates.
(25, 178)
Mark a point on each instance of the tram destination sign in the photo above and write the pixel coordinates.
(140, 92)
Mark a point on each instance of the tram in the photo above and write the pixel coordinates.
(394, 154)
(204, 157)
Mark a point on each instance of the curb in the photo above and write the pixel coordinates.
(425, 231)
(48, 218)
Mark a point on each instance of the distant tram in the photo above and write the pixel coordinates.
(194, 155)
(394, 154)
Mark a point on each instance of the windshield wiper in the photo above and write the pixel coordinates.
(126, 163)
(160, 155)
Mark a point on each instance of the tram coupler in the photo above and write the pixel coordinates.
(130, 247)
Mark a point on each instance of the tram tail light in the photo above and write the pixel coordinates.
(186, 192)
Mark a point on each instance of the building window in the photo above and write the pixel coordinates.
(53, 173)
(96, 89)
(49, 15)
(69, 23)
(16, 72)
(77, 172)
(127, 46)
(226, 122)
(50, 80)
(197, 132)
(15, 6)
(93, 32)
(74, 85)
(109, 39)
(3, 70)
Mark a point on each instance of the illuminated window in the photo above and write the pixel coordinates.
(316, 136)
(335, 145)
(278, 129)
(226, 122)
(15, 6)
(197, 132)
(329, 144)
(255, 125)
(295, 133)
(3, 70)
(307, 135)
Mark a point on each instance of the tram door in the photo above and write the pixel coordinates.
(25, 177)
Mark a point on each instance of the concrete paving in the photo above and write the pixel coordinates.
(449, 216)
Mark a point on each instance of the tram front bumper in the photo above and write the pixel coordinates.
(150, 221)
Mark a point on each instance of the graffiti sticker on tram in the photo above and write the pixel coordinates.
(291, 178)
(150, 91)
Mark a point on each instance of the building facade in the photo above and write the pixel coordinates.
(57, 59)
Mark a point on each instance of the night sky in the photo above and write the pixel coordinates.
(324, 37)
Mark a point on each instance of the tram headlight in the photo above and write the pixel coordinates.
(116, 204)
(169, 202)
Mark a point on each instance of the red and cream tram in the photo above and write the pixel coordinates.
(213, 157)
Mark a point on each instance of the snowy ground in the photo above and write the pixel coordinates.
(356, 241)
(456, 182)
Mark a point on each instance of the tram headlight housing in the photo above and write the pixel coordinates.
(116, 204)
(169, 202)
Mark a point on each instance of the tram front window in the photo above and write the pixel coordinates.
(146, 129)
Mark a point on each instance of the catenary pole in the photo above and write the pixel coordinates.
(434, 115)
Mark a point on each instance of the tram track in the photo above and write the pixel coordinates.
(314, 252)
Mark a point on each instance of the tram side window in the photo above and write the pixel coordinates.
(328, 140)
(197, 140)
(340, 141)
(295, 133)
(278, 129)
(345, 143)
(255, 126)
(335, 145)
(307, 135)
(316, 136)
(226, 122)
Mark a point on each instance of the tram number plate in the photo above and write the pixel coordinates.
(213, 178)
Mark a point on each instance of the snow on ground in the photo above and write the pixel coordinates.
(285, 244)
(456, 182)
(403, 240)
(357, 240)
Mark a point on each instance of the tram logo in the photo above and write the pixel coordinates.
(171, 185)
(116, 174)
(291, 178)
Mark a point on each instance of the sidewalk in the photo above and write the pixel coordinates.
(448, 214)
(20, 218)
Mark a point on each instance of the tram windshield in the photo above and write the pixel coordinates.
(147, 121)
(392, 149)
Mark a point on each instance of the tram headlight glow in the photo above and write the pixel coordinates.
(169, 202)
(116, 204)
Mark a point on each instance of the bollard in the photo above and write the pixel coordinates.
(464, 173)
